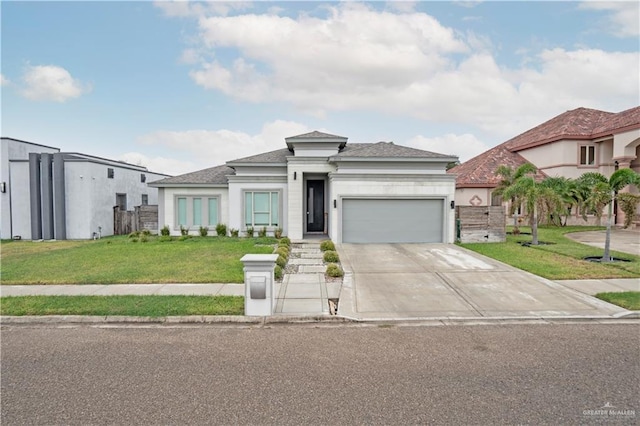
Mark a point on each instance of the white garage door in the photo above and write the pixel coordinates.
(392, 220)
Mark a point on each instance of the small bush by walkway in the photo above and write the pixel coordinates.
(560, 258)
(147, 306)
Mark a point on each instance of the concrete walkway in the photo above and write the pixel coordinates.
(303, 291)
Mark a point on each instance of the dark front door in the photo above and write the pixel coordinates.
(315, 206)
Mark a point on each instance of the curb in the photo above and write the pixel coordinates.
(626, 317)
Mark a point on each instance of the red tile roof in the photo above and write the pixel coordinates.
(577, 124)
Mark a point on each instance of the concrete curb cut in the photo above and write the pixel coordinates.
(628, 317)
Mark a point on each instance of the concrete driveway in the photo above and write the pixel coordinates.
(624, 240)
(440, 280)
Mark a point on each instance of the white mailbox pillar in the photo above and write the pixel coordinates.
(258, 284)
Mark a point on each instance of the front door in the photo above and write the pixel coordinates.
(315, 206)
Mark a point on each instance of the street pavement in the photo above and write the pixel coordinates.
(319, 375)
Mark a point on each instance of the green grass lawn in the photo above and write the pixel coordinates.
(561, 260)
(626, 299)
(147, 306)
(120, 260)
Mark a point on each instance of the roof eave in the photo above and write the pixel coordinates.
(394, 159)
(234, 164)
(182, 184)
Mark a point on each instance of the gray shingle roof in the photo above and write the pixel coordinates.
(213, 176)
(388, 150)
(316, 134)
(278, 156)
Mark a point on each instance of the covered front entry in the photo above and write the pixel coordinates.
(392, 220)
(315, 206)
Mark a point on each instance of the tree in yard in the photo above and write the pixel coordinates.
(560, 200)
(527, 189)
(593, 192)
(508, 176)
(608, 189)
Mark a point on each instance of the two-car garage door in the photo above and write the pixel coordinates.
(392, 220)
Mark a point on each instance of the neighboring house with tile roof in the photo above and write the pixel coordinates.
(320, 185)
(575, 142)
(48, 194)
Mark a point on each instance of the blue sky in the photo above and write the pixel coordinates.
(181, 86)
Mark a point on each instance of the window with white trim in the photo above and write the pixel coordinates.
(196, 211)
(587, 155)
(262, 208)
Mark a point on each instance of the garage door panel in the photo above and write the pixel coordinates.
(392, 220)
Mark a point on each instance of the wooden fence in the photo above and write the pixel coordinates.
(480, 224)
(142, 217)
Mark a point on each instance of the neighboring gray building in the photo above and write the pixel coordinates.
(48, 194)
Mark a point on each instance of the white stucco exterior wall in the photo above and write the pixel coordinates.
(473, 196)
(12, 154)
(91, 195)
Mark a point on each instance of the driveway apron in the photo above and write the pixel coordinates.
(443, 280)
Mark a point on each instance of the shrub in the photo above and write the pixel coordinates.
(331, 256)
(221, 230)
(184, 237)
(262, 232)
(277, 272)
(281, 262)
(282, 251)
(234, 232)
(284, 241)
(144, 238)
(165, 238)
(184, 231)
(134, 234)
(134, 240)
(334, 270)
(278, 233)
(146, 232)
(249, 231)
(204, 231)
(165, 232)
(327, 245)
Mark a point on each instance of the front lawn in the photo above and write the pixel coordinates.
(561, 259)
(626, 299)
(123, 260)
(146, 306)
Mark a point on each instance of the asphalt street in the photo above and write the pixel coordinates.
(315, 374)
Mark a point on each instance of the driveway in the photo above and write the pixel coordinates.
(441, 280)
(623, 240)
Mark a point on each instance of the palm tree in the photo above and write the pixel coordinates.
(618, 180)
(593, 190)
(526, 188)
(508, 176)
(560, 201)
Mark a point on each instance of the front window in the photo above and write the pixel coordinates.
(261, 209)
(193, 212)
(587, 155)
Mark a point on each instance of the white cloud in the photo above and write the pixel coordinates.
(3, 80)
(359, 58)
(402, 5)
(169, 166)
(464, 146)
(51, 83)
(216, 147)
(624, 19)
